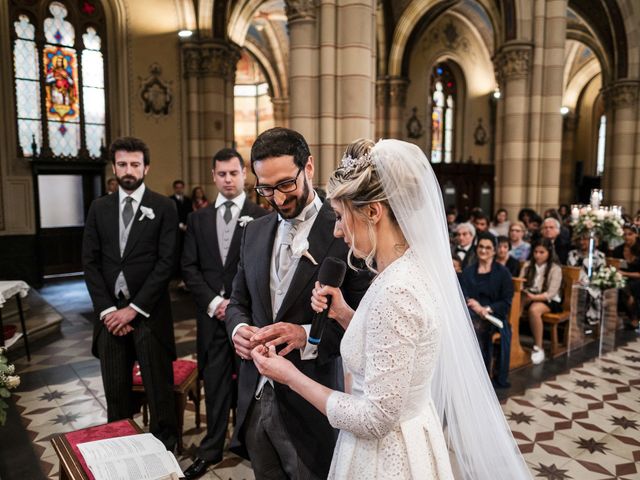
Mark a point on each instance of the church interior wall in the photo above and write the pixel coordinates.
(153, 40)
(478, 84)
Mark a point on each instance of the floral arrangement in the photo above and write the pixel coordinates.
(607, 277)
(8, 381)
(607, 224)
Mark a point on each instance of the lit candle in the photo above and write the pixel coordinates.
(596, 198)
(575, 212)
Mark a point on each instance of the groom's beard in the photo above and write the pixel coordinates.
(300, 203)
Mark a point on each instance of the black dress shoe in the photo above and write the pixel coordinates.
(197, 469)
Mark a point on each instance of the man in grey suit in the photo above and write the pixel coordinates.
(286, 437)
(209, 263)
(128, 253)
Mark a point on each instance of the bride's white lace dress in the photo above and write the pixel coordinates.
(388, 424)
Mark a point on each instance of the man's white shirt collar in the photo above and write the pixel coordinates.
(136, 195)
(238, 201)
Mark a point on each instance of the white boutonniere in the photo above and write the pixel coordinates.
(300, 248)
(243, 220)
(146, 212)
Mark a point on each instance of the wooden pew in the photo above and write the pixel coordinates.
(570, 276)
(518, 356)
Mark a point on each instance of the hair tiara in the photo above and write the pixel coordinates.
(350, 164)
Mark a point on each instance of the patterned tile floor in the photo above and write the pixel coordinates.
(581, 424)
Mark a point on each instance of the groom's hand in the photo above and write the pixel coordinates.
(242, 341)
(282, 332)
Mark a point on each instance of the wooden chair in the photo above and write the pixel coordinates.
(518, 357)
(570, 276)
(614, 262)
(185, 386)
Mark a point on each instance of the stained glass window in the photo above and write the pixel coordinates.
(26, 71)
(443, 91)
(61, 104)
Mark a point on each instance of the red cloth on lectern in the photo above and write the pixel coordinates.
(121, 428)
(181, 370)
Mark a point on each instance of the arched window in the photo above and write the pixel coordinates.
(58, 59)
(602, 138)
(443, 102)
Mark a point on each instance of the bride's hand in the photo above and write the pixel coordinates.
(339, 310)
(272, 365)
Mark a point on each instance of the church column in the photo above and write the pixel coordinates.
(567, 162)
(512, 65)
(303, 69)
(397, 103)
(545, 120)
(209, 67)
(382, 108)
(280, 111)
(620, 185)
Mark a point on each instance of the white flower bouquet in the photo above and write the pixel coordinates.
(607, 224)
(607, 277)
(8, 381)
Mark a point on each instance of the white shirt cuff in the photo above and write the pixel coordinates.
(213, 305)
(310, 351)
(139, 310)
(106, 311)
(237, 327)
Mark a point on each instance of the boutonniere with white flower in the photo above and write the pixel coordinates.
(146, 212)
(300, 248)
(243, 220)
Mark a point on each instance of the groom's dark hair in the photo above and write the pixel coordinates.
(277, 142)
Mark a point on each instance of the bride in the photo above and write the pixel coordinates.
(414, 375)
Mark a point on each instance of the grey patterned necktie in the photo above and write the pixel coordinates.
(227, 216)
(284, 254)
(127, 211)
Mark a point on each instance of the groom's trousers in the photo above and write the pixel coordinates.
(273, 455)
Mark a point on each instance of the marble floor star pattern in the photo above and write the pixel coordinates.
(581, 424)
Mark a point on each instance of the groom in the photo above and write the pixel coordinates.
(284, 435)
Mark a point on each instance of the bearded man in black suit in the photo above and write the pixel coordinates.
(286, 437)
(128, 253)
(209, 263)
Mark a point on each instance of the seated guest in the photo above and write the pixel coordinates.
(579, 257)
(457, 264)
(452, 215)
(551, 230)
(503, 257)
(500, 223)
(481, 222)
(463, 249)
(533, 233)
(199, 199)
(629, 296)
(520, 249)
(542, 294)
(565, 232)
(526, 214)
(488, 290)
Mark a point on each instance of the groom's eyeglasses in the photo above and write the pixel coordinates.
(286, 186)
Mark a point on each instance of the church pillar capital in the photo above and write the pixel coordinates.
(210, 59)
(622, 94)
(513, 61)
(301, 10)
(398, 91)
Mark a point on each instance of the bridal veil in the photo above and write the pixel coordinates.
(473, 421)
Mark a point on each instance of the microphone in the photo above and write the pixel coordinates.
(332, 272)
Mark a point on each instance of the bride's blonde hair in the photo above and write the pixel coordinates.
(356, 184)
